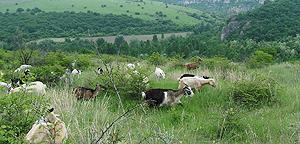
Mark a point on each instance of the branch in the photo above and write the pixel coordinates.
(112, 123)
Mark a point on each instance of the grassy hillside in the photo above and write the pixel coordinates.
(224, 8)
(273, 21)
(147, 10)
(200, 118)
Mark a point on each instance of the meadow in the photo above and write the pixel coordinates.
(197, 121)
(145, 10)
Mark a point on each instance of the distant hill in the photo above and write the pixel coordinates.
(273, 21)
(145, 9)
(222, 7)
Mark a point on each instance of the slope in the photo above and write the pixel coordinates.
(273, 21)
(147, 9)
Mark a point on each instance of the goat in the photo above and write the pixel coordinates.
(23, 68)
(33, 87)
(168, 97)
(191, 66)
(131, 66)
(160, 74)
(16, 82)
(6, 85)
(87, 93)
(196, 82)
(76, 72)
(48, 130)
(99, 70)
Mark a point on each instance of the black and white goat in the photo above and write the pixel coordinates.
(166, 97)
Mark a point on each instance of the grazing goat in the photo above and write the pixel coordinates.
(48, 130)
(160, 74)
(169, 97)
(196, 82)
(23, 68)
(16, 82)
(33, 87)
(6, 85)
(99, 70)
(131, 66)
(76, 72)
(87, 93)
(191, 66)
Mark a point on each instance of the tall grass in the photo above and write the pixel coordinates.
(200, 118)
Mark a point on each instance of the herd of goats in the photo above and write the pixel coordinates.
(51, 129)
(154, 97)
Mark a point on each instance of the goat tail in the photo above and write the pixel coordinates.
(143, 95)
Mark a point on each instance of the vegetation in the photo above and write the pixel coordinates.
(273, 21)
(18, 112)
(36, 25)
(112, 7)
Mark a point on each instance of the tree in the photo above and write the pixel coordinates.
(155, 38)
(20, 10)
(119, 42)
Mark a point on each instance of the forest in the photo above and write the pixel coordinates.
(37, 24)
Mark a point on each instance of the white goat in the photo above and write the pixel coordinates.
(23, 68)
(76, 72)
(33, 87)
(48, 130)
(131, 66)
(6, 85)
(196, 82)
(160, 74)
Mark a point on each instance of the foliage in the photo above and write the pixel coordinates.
(18, 112)
(260, 59)
(135, 82)
(71, 24)
(272, 21)
(256, 92)
(48, 74)
(156, 59)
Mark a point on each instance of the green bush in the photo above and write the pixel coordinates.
(254, 93)
(260, 59)
(18, 112)
(129, 83)
(156, 59)
(48, 74)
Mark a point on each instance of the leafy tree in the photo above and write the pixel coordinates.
(260, 59)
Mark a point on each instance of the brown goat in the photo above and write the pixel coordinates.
(87, 93)
(191, 66)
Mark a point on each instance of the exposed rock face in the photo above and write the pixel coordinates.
(231, 27)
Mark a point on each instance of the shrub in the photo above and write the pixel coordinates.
(18, 112)
(259, 91)
(156, 59)
(48, 74)
(134, 82)
(260, 59)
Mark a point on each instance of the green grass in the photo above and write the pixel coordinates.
(112, 6)
(197, 121)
